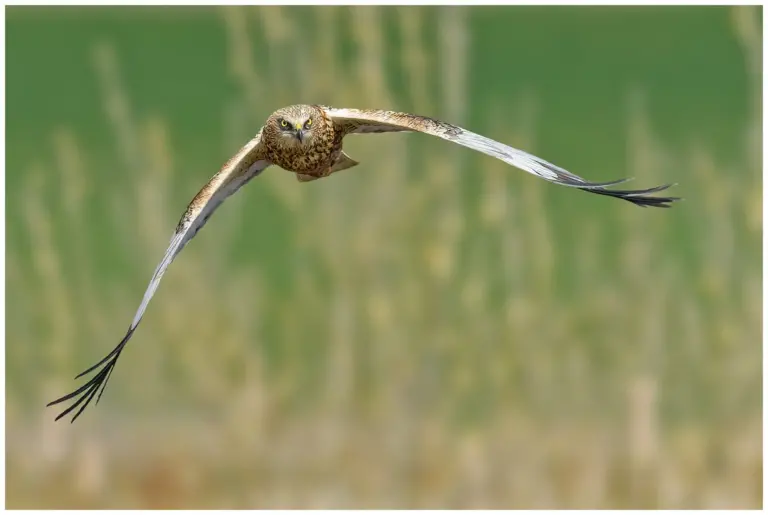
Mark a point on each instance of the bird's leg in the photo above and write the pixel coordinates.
(302, 177)
(342, 163)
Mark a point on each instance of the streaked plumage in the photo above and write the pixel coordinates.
(307, 140)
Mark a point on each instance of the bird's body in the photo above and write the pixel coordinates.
(307, 140)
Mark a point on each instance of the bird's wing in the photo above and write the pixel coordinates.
(362, 121)
(241, 168)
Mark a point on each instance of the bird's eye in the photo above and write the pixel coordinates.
(283, 123)
(308, 123)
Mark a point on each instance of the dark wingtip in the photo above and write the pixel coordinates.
(640, 198)
(87, 391)
(106, 358)
(97, 384)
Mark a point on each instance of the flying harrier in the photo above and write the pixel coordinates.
(307, 140)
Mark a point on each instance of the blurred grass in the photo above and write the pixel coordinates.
(441, 341)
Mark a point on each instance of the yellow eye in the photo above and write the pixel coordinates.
(308, 123)
(283, 123)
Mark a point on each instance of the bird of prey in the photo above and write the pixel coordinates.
(307, 140)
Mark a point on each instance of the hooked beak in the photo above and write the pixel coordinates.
(299, 133)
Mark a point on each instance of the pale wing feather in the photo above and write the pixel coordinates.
(362, 121)
(221, 186)
(241, 168)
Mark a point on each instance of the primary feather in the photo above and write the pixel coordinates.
(235, 173)
(362, 121)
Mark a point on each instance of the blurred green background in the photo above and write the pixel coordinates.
(431, 329)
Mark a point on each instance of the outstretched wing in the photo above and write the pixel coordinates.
(362, 121)
(241, 168)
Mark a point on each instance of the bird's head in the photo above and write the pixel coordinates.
(295, 125)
